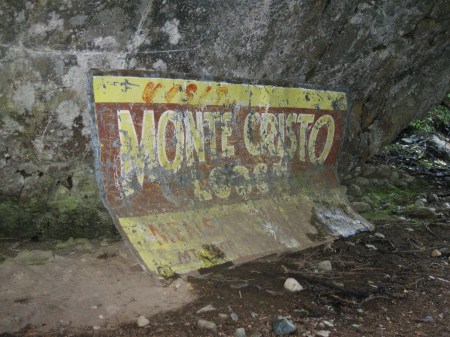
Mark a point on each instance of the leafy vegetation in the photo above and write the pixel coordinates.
(389, 202)
(436, 120)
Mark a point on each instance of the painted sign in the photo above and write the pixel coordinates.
(199, 172)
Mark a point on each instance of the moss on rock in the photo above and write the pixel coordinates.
(68, 217)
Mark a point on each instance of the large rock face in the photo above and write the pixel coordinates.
(391, 55)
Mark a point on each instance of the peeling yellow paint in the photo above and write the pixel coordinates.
(121, 89)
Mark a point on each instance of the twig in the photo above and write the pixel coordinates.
(372, 297)
(443, 280)
(429, 230)
(416, 250)
(350, 303)
(352, 292)
(417, 282)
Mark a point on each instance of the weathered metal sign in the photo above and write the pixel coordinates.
(199, 172)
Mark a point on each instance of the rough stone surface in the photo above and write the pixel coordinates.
(401, 184)
(384, 171)
(391, 55)
(424, 212)
(368, 171)
(354, 190)
(394, 177)
(433, 198)
(360, 206)
(361, 181)
(419, 203)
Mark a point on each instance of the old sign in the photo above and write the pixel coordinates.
(197, 172)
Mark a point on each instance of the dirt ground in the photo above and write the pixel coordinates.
(399, 289)
(96, 286)
(384, 283)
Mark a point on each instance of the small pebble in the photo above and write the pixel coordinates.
(142, 321)
(424, 212)
(323, 333)
(234, 316)
(282, 326)
(328, 324)
(240, 332)
(379, 235)
(436, 253)
(96, 327)
(428, 319)
(433, 198)
(223, 316)
(419, 203)
(202, 323)
(325, 265)
(292, 285)
(371, 247)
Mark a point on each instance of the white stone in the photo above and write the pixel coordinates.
(379, 235)
(292, 285)
(142, 321)
(207, 308)
(325, 265)
(240, 332)
(328, 324)
(202, 323)
(323, 333)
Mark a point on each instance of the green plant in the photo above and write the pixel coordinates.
(387, 201)
(393, 149)
(438, 119)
